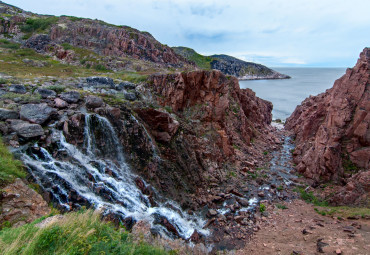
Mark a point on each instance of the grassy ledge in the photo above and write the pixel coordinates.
(76, 233)
(10, 169)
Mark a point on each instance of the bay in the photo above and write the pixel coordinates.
(286, 94)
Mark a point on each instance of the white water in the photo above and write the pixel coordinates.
(86, 172)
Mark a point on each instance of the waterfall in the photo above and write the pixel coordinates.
(97, 175)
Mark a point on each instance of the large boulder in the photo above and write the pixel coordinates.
(37, 113)
(19, 89)
(45, 93)
(93, 102)
(71, 97)
(26, 129)
(8, 114)
(125, 86)
(130, 96)
(38, 42)
(100, 82)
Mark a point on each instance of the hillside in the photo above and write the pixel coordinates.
(229, 65)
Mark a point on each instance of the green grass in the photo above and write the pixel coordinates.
(343, 211)
(25, 98)
(57, 88)
(77, 233)
(280, 206)
(262, 208)
(309, 197)
(203, 62)
(10, 168)
(4, 43)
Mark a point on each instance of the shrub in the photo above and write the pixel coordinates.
(309, 197)
(57, 88)
(38, 24)
(67, 46)
(262, 208)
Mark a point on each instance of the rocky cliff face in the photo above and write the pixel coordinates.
(333, 129)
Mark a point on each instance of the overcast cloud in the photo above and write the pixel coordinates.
(271, 32)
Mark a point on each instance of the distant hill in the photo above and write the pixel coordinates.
(229, 65)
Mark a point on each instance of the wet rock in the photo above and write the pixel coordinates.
(130, 96)
(59, 103)
(25, 129)
(93, 102)
(21, 204)
(212, 213)
(243, 202)
(37, 113)
(19, 89)
(126, 86)
(45, 93)
(196, 237)
(8, 114)
(71, 96)
(261, 194)
(159, 219)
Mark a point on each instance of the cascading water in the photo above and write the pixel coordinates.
(98, 175)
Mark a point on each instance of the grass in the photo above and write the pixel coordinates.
(262, 208)
(280, 206)
(10, 169)
(77, 233)
(57, 88)
(25, 98)
(343, 211)
(309, 197)
(8, 45)
(203, 62)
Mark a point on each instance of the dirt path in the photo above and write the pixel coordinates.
(298, 230)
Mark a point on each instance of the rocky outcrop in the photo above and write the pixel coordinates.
(244, 70)
(37, 113)
(333, 129)
(20, 204)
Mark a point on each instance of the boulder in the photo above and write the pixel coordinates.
(130, 96)
(38, 42)
(100, 82)
(125, 86)
(8, 114)
(19, 89)
(37, 113)
(45, 93)
(93, 102)
(71, 97)
(26, 129)
(59, 103)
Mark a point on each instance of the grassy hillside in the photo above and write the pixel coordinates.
(76, 233)
(203, 62)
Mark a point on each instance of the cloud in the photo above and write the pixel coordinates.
(284, 32)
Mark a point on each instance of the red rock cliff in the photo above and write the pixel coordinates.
(332, 129)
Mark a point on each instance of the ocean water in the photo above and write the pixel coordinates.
(286, 94)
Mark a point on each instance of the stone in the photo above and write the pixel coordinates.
(212, 213)
(130, 96)
(8, 114)
(19, 89)
(125, 86)
(100, 82)
(261, 194)
(21, 204)
(37, 113)
(45, 93)
(38, 42)
(70, 97)
(26, 129)
(93, 102)
(60, 103)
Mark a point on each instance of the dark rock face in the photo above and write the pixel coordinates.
(19, 89)
(21, 204)
(38, 42)
(8, 114)
(332, 129)
(70, 96)
(93, 102)
(25, 129)
(244, 70)
(37, 113)
(45, 93)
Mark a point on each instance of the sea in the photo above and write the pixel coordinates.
(286, 94)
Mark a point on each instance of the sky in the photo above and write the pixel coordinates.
(276, 33)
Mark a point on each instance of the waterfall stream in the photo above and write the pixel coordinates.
(97, 175)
